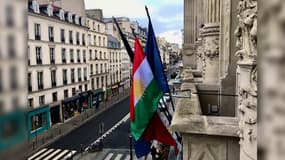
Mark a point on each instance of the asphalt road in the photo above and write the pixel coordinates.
(89, 132)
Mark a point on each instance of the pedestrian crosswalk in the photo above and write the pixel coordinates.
(52, 154)
(118, 156)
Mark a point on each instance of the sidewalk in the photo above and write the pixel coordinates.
(29, 147)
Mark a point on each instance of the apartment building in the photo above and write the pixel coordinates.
(98, 55)
(57, 65)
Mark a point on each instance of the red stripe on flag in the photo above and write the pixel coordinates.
(156, 130)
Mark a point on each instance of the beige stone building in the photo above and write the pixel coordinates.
(219, 119)
(57, 64)
(98, 53)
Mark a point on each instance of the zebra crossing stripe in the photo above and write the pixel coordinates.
(35, 155)
(69, 154)
(51, 155)
(118, 157)
(128, 157)
(110, 155)
(44, 154)
(60, 155)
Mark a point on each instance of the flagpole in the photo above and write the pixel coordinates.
(170, 95)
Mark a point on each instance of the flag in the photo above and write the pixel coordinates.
(145, 93)
(154, 59)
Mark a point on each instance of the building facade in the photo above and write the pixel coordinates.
(98, 55)
(57, 65)
(219, 65)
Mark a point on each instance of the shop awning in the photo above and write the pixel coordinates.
(71, 99)
(97, 91)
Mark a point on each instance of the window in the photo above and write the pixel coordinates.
(72, 76)
(64, 76)
(28, 56)
(65, 92)
(54, 96)
(73, 91)
(30, 89)
(92, 83)
(13, 77)
(37, 31)
(105, 67)
(63, 55)
(83, 40)
(97, 82)
(96, 55)
(77, 38)
(99, 39)
(53, 78)
(62, 35)
(98, 26)
(50, 34)
(52, 58)
(70, 37)
(96, 68)
(90, 54)
(78, 56)
(38, 55)
(85, 87)
(11, 46)
(100, 55)
(84, 56)
(104, 42)
(91, 69)
(71, 56)
(79, 74)
(9, 16)
(94, 37)
(41, 100)
(102, 82)
(31, 102)
(40, 80)
(101, 68)
(85, 74)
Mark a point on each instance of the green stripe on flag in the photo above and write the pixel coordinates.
(145, 108)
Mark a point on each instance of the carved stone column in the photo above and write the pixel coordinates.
(210, 36)
(211, 53)
(199, 54)
(247, 78)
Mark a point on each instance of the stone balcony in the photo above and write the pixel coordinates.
(205, 137)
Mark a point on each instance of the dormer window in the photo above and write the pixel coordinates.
(61, 14)
(36, 7)
(82, 21)
(69, 17)
(49, 10)
(76, 19)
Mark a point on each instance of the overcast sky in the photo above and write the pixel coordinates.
(167, 15)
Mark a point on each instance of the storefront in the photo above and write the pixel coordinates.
(38, 121)
(98, 97)
(55, 114)
(115, 89)
(71, 107)
(86, 98)
(12, 129)
(121, 87)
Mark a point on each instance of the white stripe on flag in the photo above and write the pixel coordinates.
(144, 75)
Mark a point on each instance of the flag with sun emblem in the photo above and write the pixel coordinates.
(145, 93)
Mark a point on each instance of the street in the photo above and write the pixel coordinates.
(80, 138)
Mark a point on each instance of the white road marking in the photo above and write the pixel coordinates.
(44, 154)
(60, 155)
(30, 158)
(118, 157)
(127, 157)
(69, 154)
(53, 153)
(124, 119)
(109, 156)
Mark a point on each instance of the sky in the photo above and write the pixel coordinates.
(166, 15)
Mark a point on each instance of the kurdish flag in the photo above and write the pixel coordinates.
(145, 93)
